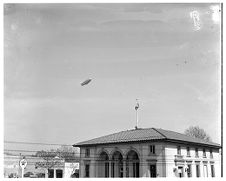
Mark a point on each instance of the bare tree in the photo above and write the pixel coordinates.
(50, 160)
(197, 132)
(56, 157)
(68, 153)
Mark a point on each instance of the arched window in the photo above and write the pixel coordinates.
(132, 164)
(117, 164)
(103, 165)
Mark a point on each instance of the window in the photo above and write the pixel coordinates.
(211, 154)
(212, 171)
(152, 149)
(87, 153)
(204, 153)
(153, 170)
(59, 173)
(197, 171)
(87, 170)
(188, 151)
(196, 152)
(178, 150)
(50, 173)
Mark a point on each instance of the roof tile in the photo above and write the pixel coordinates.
(141, 134)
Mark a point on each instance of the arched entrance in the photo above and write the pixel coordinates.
(103, 169)
(132, 164)
(117, 165)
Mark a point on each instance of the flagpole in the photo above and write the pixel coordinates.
(136, 108)
(136, 119)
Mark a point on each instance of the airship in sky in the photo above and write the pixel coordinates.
(86, 82)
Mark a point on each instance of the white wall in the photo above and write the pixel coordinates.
(171, 151)
(69, 169)
(142, 150)
(165, 156)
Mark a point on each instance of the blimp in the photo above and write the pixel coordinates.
(86, 82)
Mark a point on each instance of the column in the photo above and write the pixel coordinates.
(130, 169)
(54, 173)
(46, 173)
(201, 169)
(193, 169)
(110, 168)
(209, 170)
(91, 169)
(124, 168)
(81, 169)
(63, 175)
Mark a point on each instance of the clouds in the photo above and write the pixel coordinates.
(102, 25)
(131, 50)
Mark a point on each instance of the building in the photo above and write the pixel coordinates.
(63, 170)
(60, 169)
(149, 153)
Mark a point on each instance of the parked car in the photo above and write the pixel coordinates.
(40, 175)
(28, 174)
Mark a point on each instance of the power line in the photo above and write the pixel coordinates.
(60, 144)
(97, 156)
(97, 162)
(36, 143)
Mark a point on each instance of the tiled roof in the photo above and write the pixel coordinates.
(144, 135)
(182, 137)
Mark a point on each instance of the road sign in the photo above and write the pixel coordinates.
(23, 163)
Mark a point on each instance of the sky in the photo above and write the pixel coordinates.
(165, 55)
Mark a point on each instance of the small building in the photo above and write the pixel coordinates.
(71, 169)
(64, 169)
(149, 152)
(60, 169)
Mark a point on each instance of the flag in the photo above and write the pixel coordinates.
(137, 106)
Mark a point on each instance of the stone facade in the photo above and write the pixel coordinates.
(149, 159)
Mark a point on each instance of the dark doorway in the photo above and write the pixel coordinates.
(106, 168)
(153, 170)
(59, 174)
(50, 173)
(103, 165)
(132, 164)
(136, 169)
(180, 171)
(189, 171)
(117, 164)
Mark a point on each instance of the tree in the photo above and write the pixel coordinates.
(197, 132)
(49, 160)
(56, 157)
(68, 153)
